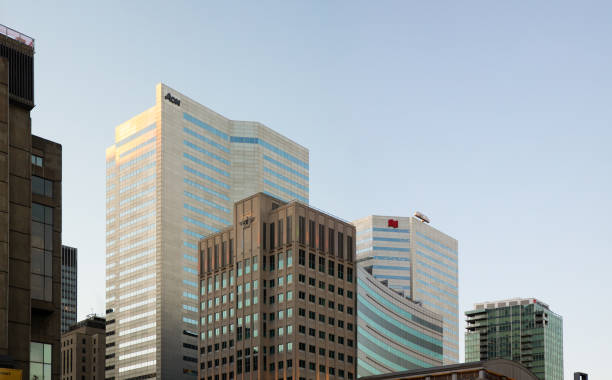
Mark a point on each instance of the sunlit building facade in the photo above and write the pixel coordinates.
(172, 177)
(412, 258)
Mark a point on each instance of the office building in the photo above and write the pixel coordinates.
(520, 329)
(30, 222)
(416, 260)
(83, 350)
(394, 333)
(172, 177)
(278, 295)
(69, 287)
(496, 369)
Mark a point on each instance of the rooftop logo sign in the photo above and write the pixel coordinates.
(393, 223)
(172, 99)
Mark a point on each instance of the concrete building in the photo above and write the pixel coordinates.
(416, 260)
(172, 177)
(69, 287)
(278, 295)
(83, 350)
(497, 369)
(30, 222)
(394, 333)
(520, 329)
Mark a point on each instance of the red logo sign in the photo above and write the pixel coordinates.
(393, 223)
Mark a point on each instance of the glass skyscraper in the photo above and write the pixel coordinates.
(394, 333)
(171, 178)
(69, 287)
(521, 329)
(417, 261)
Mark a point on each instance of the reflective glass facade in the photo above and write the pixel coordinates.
(523, 330)
(172, 177)
(393, 333)
(417, 261)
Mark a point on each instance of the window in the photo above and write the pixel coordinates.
(311, 234)
(272, 236)
(301, 278)
(264, 236)
(340, 245)
(321, 237)
(330, 287)
(340, 271)
(281, 261)
(311, 261)
(349, 274)
(289, 258)
(42, 186)
(40, 361)
(37, 160)
(301, 230)
(321, 264)
(289, 237)
(311, 281)
(42, 252)
(280, 232)
(349, 247)
(302, 257)
(330, 267)
(330, 240)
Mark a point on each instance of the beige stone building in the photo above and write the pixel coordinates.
(83, 350)
(277, 295)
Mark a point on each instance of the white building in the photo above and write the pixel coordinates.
(172, 177)
(418, 261)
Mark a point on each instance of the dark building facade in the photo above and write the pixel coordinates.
(83, 350)
(30, 222)
(278, 295)
(69, 287)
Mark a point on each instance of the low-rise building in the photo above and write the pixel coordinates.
(83, 348)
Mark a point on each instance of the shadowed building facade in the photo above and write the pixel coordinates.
(172, 177)
(278, 295)
(69, 287)
(83, 350)
(30, 222)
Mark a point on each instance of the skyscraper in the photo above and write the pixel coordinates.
(277, 293)
(419, 262)
(30, 222)
(520, 329)
(172, 177)
(69, 287)
(394, 333)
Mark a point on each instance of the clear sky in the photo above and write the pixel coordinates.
(493, 118)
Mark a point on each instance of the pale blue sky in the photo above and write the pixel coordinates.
(493, 118)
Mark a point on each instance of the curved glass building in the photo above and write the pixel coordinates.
(394, 333)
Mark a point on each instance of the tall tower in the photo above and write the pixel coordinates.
(30, 222)
(521, 329)
(172, 177)
(417, 261)
(69, 287)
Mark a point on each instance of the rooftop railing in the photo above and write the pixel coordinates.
(12, 33)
